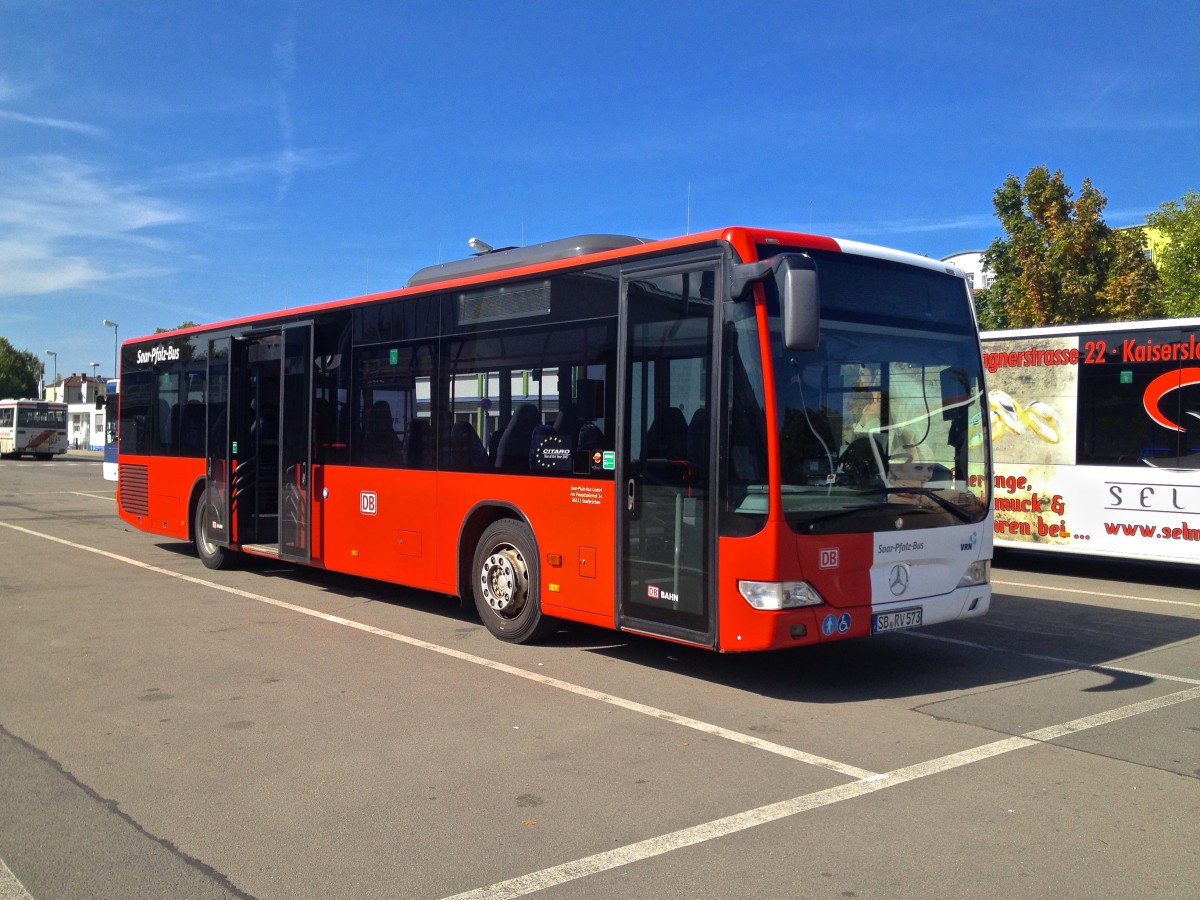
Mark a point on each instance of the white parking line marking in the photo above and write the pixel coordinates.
(631, 705)
(10, 887)
(1063, 590)
(1072, 663)
(611, 859)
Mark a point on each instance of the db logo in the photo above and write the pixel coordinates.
(368, 503)
(829, 558)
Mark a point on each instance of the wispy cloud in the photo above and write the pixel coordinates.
(48, 122)
(63, 226)
(969, 222)
(282, 165)
(921, 226)
(284, 71)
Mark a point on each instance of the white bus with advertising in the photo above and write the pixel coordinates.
(1096, 438)
(34, 428)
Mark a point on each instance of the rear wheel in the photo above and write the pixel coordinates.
(505, 583)
(213, 555)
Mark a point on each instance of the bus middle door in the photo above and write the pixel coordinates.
(295, 444)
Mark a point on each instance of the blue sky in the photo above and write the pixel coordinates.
(200, 159)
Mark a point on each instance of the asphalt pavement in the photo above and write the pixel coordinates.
(283, 732)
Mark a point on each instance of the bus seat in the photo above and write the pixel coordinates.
(466, 449)
(418, 445)
(667, 436)
(380, 443)
(590, 437)
(566, 422)
(512, 451)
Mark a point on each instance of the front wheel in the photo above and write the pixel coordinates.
(505, 583)
(212, 554)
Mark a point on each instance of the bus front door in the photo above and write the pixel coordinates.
(665, 516)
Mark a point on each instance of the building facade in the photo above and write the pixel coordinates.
(85, 423)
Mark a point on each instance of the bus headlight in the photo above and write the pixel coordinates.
(978, 572)
(779, 594)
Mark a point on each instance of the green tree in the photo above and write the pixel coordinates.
(20, 371)
(1178, 260)
(1059, 263)
(188, 324)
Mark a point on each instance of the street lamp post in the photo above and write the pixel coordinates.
(95, 367)
(55, 355)
(116, 344)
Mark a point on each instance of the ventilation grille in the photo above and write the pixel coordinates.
(135, 489)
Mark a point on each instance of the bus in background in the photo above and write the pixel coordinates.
(1096, 432)
(36, 428)
(112, 393)
(739, 440)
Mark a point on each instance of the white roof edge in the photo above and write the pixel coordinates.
(900, 256)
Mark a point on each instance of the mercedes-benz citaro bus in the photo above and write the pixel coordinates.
(742, 439)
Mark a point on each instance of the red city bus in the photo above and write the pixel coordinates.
(741, 439)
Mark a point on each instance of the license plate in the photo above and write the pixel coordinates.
(896, 620)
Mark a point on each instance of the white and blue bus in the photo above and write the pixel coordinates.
(112, 393)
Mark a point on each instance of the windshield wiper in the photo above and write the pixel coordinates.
(958, 512)
(933, 495)
(855, 511)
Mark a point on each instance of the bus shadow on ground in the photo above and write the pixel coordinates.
(1021, 638)
(1018, 640)
(351, 588)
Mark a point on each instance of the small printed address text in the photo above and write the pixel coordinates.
(590, 496)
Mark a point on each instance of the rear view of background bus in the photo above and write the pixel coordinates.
(34, 428)
(1096, 432)
(740, 439)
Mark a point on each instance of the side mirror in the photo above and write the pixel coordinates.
(799, 302)
(795, 277)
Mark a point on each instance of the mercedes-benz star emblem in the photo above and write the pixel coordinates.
(898, 579)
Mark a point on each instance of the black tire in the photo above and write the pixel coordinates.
(504, 582)
(214, 556)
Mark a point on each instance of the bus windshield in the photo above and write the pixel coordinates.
(880, 427)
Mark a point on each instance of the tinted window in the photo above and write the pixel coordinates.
(1133, 408)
